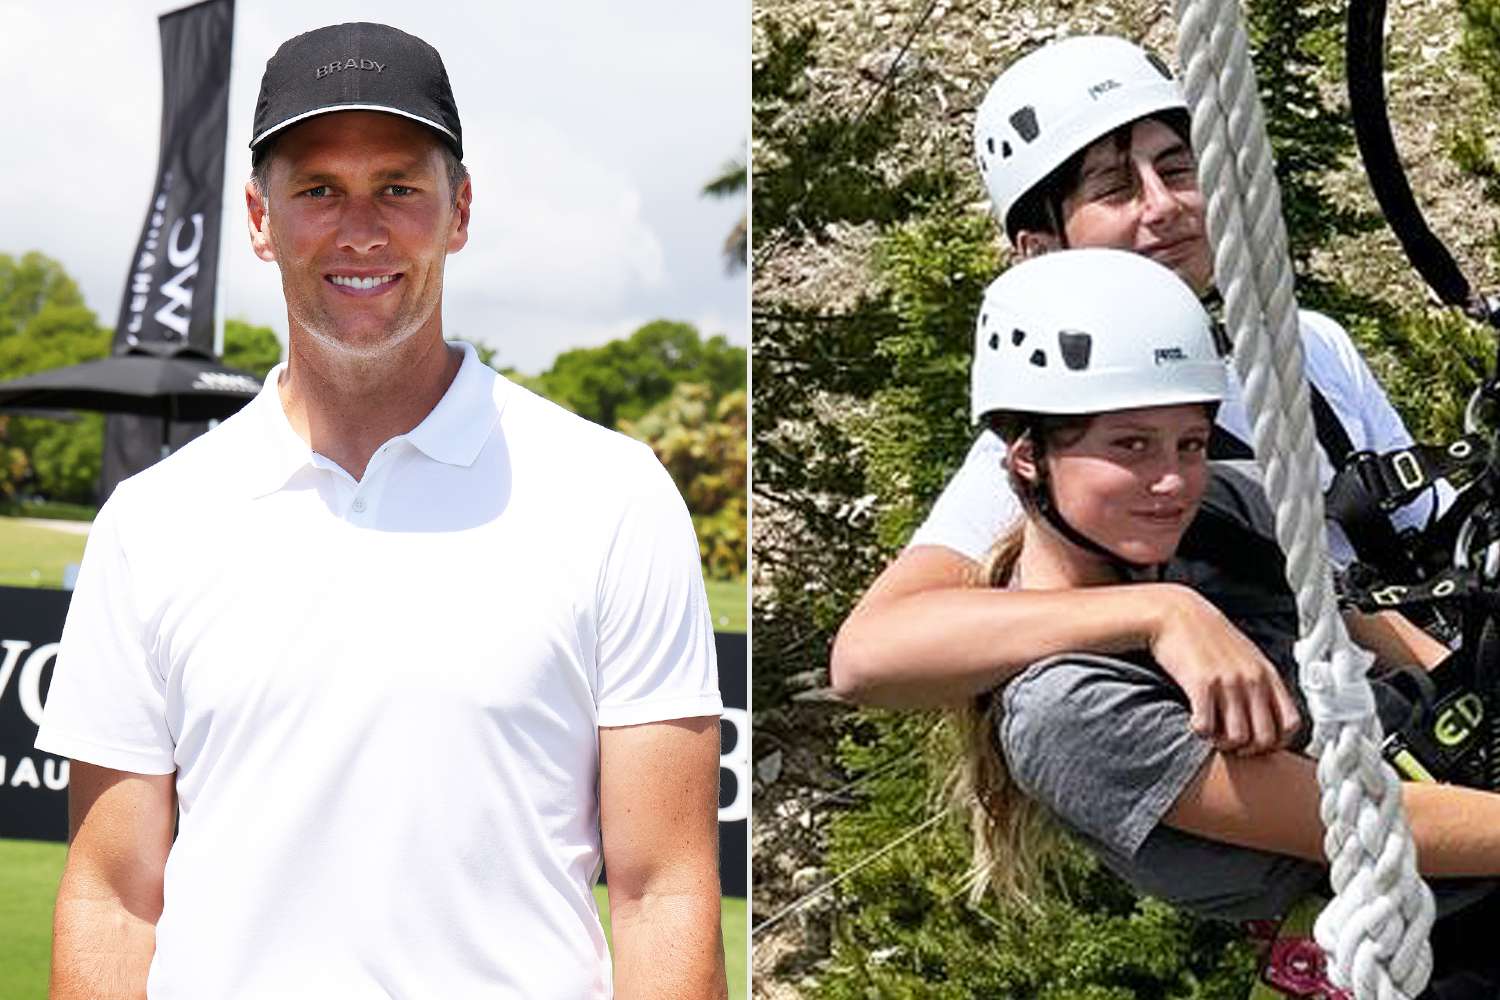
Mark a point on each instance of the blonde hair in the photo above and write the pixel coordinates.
(1016, 841)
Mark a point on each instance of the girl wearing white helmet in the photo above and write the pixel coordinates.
(1051, 365)
(1083, 143)
(1106, 402)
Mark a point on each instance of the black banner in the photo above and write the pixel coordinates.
(169, 292)
(734, 763)
(33, 785)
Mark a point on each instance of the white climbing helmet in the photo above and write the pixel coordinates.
(1090, 331)
(1055, 101)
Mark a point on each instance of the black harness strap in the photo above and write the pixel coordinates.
(1349, 501)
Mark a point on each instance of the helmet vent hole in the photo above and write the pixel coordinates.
(1004, 150)
(1017, 335)
(1075, 348)
(994, 341)
(1039, 358)
(1024, 122)
(989, 143)
(1158, 65)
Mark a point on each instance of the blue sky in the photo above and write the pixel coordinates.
(590, 126)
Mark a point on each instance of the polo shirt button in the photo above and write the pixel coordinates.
(359, 505)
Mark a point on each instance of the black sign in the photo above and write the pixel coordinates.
(33, 785)
(734, 764)
(169, 287)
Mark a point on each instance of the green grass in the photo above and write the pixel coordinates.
(726, 599)
(34, 556)
(29, 872)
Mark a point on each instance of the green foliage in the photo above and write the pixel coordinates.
(1479, 53)
(705, 448)
(1429, 361)
(1297, 47)
(730, 181)
(27, 285)
(1481, 43)
(908, 930)
(817, 164)
(254, 349)
(937, 269)
(44, 324)
(624, 378)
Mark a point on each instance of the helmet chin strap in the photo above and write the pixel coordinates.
(1128, 571)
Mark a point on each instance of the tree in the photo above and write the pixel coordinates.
(705, 448)
(44, 324)
(254, 349)
(729, 182)
(623, 379)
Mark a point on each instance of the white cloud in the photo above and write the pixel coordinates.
(542, 199)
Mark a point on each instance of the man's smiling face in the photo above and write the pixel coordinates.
(359, 216)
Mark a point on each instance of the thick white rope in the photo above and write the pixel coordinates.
(1375, 930)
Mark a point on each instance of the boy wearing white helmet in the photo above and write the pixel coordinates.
(1084, 143)
(1107, 403)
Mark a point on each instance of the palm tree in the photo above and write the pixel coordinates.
(730, 181)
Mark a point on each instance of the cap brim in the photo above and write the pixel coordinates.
(452, 139)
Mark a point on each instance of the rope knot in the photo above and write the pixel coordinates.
(1336, 688)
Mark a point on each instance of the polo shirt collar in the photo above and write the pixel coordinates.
(459, 425)
(453, 433)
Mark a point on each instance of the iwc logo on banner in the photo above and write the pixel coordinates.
(33, 785)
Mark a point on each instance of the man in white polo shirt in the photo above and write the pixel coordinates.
(402, 651)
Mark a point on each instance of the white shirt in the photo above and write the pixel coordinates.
(382, 698)
(977, 504)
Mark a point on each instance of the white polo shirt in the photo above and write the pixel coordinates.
(382, 698)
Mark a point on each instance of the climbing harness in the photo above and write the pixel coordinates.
(1375, 930)
(1461, 552)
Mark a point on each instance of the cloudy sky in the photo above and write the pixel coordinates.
(590, 126)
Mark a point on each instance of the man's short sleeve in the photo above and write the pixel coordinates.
(107, 701)
(656, 646)
(976, 506)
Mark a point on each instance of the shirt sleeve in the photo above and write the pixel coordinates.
(976, 506)
(107, 701)
(1104, 744)
(655, 635)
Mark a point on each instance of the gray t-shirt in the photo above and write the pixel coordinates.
(1104, 744)
(1104, 741)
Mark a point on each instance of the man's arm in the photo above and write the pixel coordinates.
(104, 927)
(658, 815)
(923, 635)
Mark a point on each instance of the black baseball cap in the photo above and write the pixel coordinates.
(356, 67)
